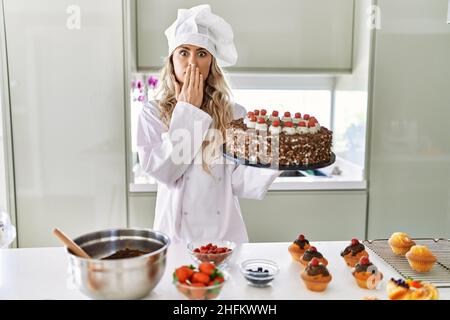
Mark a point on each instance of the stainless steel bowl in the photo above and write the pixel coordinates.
(129, 278)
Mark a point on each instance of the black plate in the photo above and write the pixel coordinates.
(282, 168)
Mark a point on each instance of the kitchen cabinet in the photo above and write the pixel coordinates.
(299, 35)
(66, 81)
(283, 215)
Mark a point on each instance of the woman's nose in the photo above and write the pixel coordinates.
(193, 60)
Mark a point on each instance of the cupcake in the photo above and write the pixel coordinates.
(400, 243)
(310, 254)
(316, 276)
(298, 247)
(420, 258)
(353, 253)
(411, 290)
(366, 274)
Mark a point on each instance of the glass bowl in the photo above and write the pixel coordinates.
(259, 272)
(219, 259)
(200, 293)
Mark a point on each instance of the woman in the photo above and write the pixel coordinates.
(197, 191)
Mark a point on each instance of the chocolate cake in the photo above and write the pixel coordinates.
(298, 141)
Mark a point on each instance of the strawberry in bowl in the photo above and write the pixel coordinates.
(202, 283)
(217, 252)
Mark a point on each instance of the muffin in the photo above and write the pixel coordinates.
(400, 243)
(420, 258)
(310, 254)
(298, 247)
(354, 252)
(316, 276)
(366, 274)
(411, 290)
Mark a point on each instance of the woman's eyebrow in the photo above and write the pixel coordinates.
(186, 48)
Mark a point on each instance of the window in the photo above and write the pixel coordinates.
(344, 112)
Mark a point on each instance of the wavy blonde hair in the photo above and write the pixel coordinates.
(217, 102)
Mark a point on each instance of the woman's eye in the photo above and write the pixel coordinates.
(202, 54)
(183, 53)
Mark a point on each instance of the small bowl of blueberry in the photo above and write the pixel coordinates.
(259, 272)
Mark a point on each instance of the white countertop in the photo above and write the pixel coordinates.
(42, 273)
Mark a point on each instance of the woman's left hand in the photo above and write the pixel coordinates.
(192, 89)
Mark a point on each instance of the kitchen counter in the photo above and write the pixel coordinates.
(42, 273)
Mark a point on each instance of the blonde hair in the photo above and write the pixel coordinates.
(217, 102)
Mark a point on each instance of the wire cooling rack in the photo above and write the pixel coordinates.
(439, 275)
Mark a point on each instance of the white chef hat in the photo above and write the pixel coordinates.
(200, 27)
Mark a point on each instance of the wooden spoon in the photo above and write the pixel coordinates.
(71, 244)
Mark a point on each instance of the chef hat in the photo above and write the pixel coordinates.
(200, 27)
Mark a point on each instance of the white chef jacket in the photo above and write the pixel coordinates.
(191, 205)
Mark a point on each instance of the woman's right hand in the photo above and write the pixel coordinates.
(192, 89)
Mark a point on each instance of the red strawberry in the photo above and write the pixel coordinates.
(313, 249)
(301, 237)
(314, 262)
(287, 114)
(200, 277)
(311, 124)
(207, 267)
(261, 120)
(276, 123)
(355, 242)
(298, 115)
(250, 114)
(256, 112)
(364, 261)
(288, 124)
(253, 119)
(306, 116)
(183, 273)
(274, 113)
(263, 112)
